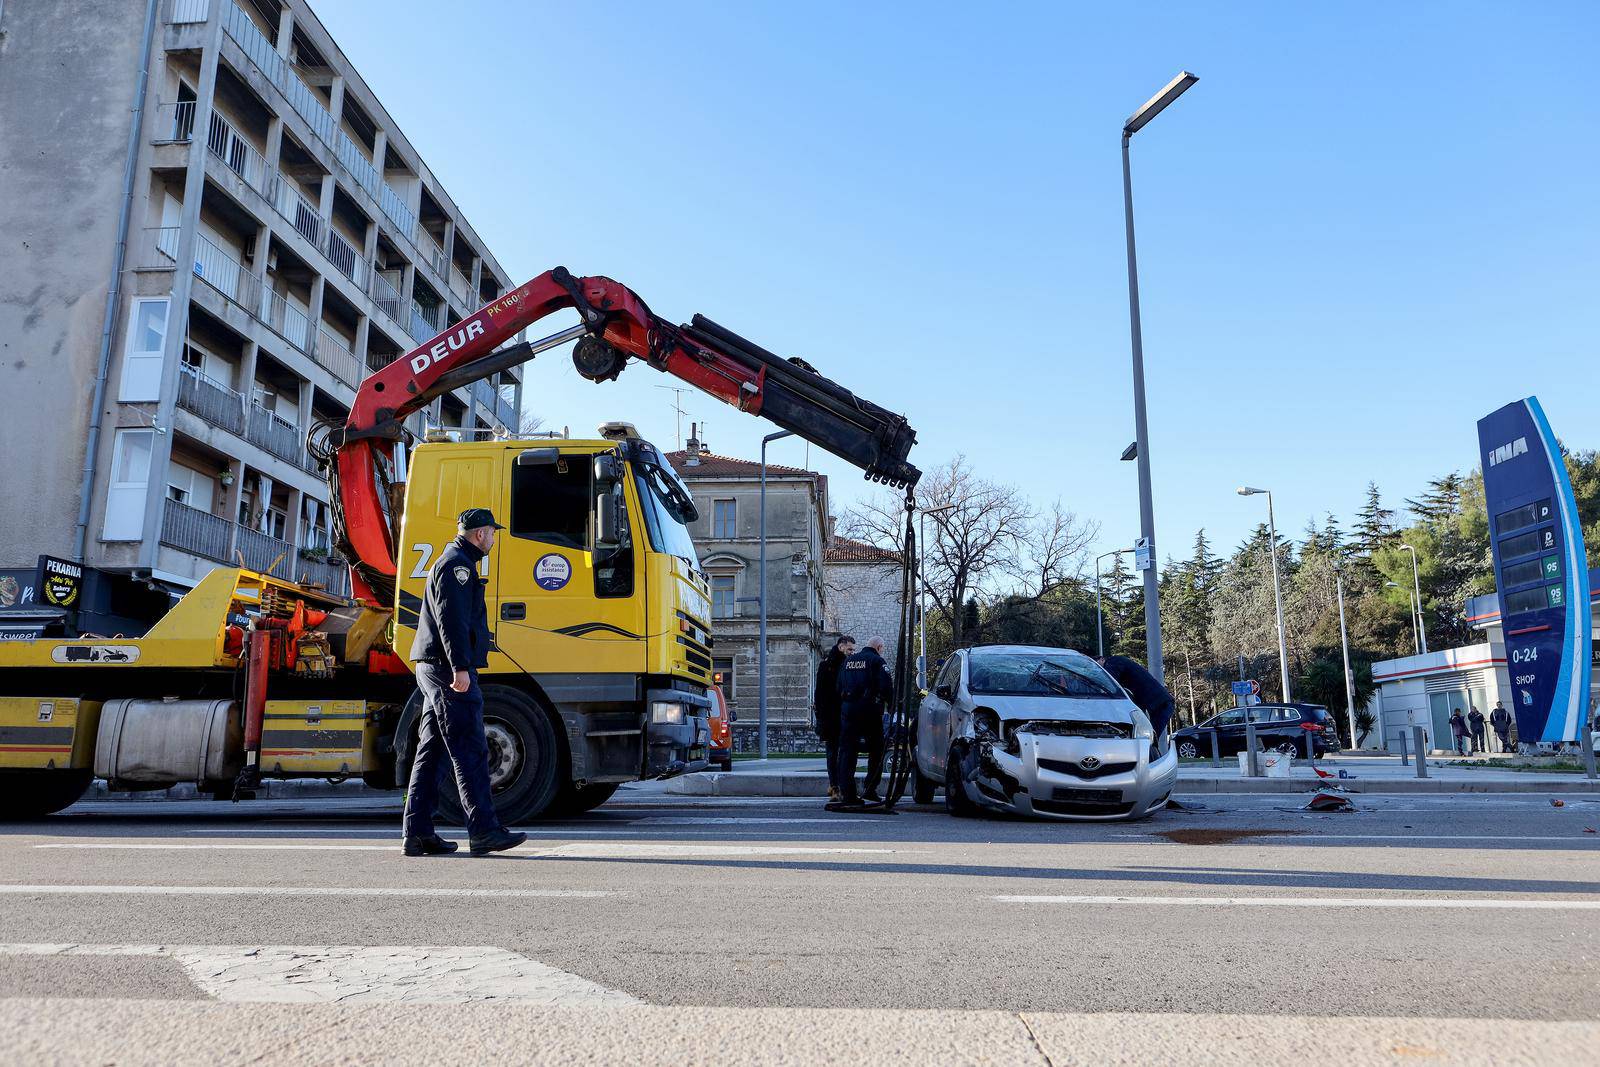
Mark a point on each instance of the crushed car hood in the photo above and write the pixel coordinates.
(1063, 709)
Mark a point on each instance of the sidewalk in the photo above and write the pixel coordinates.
(1368, 774)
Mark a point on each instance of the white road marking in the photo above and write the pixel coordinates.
(576, 849)
(1314, 902)
(354, 974)
(287, 891)
(1312, 835)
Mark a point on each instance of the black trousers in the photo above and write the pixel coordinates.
(861, 729)
(450, 739)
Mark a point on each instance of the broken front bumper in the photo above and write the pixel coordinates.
(1064, 777)
(677, 733)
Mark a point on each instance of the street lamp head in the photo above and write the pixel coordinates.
(1245, 490)
(1407, 547)
(1391, 585)
(1154, 106)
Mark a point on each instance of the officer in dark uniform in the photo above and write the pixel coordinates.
(452, 643)
(865, 689)
(1150, 695)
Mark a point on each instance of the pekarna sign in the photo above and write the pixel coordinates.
(60, 582)
(1540, 570)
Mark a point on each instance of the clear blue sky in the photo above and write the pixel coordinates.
(1366, 226)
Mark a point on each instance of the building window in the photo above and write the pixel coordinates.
(724, 519)
(724, 590)
(130, 479)
(143, 350)
(722, 671)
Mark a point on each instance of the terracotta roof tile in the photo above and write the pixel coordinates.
(849, 550)
(714, 466)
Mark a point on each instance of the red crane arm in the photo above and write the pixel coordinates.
(616, 326)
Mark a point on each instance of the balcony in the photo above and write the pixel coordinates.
(431, 253)
(160, 247)
(175, 122)
(334, 356)
(220, 269)
(426, 321)
(199, 532)
(276, 436)
(211, 400)
(386, 294)
(189, 11)
(239, 155)
(289, 321)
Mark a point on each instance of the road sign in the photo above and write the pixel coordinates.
(1141, 554)
(1255, 688)
(1241, 689)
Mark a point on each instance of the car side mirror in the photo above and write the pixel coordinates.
(944, 692)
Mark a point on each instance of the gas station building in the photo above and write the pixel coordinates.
(1423, 690)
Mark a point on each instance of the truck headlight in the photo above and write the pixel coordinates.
(667, 714)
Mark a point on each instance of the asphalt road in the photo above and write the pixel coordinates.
(657, 929)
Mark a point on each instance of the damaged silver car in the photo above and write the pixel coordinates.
(1038, 731)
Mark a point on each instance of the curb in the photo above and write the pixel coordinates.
(720, 784)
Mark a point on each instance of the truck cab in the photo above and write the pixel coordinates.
(597, 605)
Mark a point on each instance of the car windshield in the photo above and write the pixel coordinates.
(668, 509)
(1059, 674)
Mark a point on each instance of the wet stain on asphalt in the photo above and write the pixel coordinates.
(1210, 835)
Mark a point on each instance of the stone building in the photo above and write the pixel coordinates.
(863, 587)
(727, 492)
(201, 263)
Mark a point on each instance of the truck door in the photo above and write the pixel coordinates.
(562, 607)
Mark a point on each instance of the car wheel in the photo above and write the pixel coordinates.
(921, 788)
(31, 794)
(526, 764)
(1286, 748)
(956, 801)
(1188, 749)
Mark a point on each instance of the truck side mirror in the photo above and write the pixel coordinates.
(606, 469)
(608, 519)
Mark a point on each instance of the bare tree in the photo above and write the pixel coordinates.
(979, 539)
(1056, 551)
(531, 424)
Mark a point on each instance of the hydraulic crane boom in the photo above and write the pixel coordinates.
(616, 326)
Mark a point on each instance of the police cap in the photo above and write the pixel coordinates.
(473, 518)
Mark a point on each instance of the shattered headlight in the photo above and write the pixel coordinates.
(986, 724)
(665, 714)
(1142, 727)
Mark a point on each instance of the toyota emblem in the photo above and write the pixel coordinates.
(1089, 763)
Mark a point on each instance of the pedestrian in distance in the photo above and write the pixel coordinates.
(1458, 730)
(825, 705)
(865, 689)
(1500, 719)
(452, 643)
(1475, 720)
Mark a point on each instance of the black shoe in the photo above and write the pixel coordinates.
(498, 841)
(432, 845)
(869, 797)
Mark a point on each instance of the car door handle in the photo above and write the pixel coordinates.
(513, 612)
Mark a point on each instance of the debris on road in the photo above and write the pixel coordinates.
(1325, 801)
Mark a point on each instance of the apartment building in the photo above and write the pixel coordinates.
(727, 493)
(213, 227)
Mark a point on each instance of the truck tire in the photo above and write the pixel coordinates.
(577, 799)
(29, 794)
(527, 765)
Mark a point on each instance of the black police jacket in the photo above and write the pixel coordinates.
(453, 625)
(1150, 695)
(864, 681)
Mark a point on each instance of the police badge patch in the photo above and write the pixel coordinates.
(463, 575)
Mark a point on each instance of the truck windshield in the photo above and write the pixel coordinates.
(668, 508)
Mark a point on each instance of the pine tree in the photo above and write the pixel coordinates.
(1442, 499)
(1374, 523)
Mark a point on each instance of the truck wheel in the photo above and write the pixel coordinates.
(577, 799)
(526, 763)
(30, 794)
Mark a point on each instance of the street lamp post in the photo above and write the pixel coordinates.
(1412, 596)
(922, 594)
(1416, 588)
(1344, 643)
(1147, 523)
(1099, 627)
(1277, 590)
(761, 651)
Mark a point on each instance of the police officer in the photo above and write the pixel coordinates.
(865, 689)
(452, 643)
(1150, 695)
(825, 705)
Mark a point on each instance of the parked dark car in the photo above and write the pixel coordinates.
(1279, 726)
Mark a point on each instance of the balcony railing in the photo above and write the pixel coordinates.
(211, 400)
(386, 293)
(431, 253)
(160, 247)
(275, 435)
(426, 321)
(192, 530)
(333, 354)
(334, 575)
(189, 11)
(215, 266)
(284, 317)
(175, 122)
(296, 210)
(343, 255)
(461, 289)
(261, 551)
(238, 154)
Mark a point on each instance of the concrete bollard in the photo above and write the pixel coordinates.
(1588, 754)
(1250, 743)
(1216, 748)
(1420, 739)
(1405, 758)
